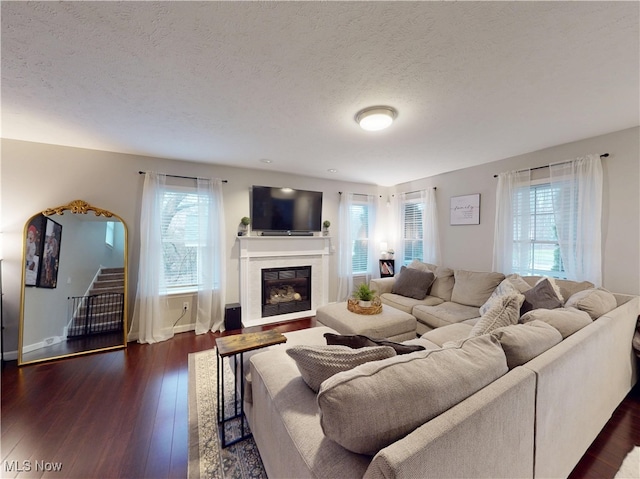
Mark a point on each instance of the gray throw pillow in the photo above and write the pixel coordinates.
(357, 341)
(318, 363)
(413, 283)
(505, 311)
(541, 296)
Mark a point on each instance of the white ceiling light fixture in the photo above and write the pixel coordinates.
(376, 118)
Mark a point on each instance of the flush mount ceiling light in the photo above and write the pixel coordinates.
(376, 118)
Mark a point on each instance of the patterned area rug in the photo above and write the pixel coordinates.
(206, 458)
(630, 468)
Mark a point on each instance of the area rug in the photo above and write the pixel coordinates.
(207, 460)
(630, 468)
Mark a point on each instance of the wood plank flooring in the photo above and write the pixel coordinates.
(123, 414)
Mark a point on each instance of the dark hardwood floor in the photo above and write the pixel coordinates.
(123, 414)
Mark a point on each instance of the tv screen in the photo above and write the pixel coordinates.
(285, 209)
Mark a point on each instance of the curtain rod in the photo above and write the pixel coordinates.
(604, 155)
(411, 192)
(178, 176)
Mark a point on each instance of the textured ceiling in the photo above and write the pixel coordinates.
(236, 82)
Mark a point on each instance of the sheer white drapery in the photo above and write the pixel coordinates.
(345, 247)
(577, 206)
(430, 233)
(511, 243)
(150, 307)
(211, 254)
(348, 237)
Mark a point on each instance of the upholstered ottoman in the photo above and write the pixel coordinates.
(391, 323)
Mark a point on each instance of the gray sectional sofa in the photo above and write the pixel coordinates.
(468, 405)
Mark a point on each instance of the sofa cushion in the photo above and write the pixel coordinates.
(523, 342)
(413, 283)
(566, 320)
(453, 332)
(504, 312)
(443, 284)
(444, 314)
(511, 284)
(567, 287)
(542, 295)
(374, 405)
(596, 302)
(407, 304)
(317, 363)
(473, 288)
(357, 341)
(425, 343)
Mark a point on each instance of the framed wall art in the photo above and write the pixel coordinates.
(465, 210)
(33, 249)
(48, 276)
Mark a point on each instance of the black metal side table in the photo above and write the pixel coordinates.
(234, 346)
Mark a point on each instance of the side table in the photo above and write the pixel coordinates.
(238, 344)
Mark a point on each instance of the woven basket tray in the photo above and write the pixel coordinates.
(353, 305)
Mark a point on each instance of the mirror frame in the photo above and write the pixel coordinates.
(76, 207)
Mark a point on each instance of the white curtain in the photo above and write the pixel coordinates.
(430, 233)
(577, 205)
(345, 247)
(373, 250)
(149, 309)
(397, 226)
(211, 264)
(512, 242)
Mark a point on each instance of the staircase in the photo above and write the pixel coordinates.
(102, 309)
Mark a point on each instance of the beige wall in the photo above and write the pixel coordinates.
(36, 176)
(471, 247)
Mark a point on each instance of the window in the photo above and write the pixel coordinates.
(110, 234)
(542, 249)
(412, 231)
(180, 239)
(359, 213)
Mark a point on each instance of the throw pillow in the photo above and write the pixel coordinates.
(596, 302)
(505, 287)
(375, 404)
(566, 320)
(413, 283)
(317, 363)
(523, 342)
(554, 285)
(473, 288)
(504, 312)
(542, 295)
(357, 341)
(519, 282)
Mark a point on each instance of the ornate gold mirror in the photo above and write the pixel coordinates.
(74, 283)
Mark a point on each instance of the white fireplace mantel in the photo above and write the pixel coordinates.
(261, 252)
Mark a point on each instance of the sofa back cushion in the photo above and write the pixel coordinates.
(566, 320)
(442, 286)
(473, 288)
(566, 286)
(413, 283)
(523, 342)
(375, 404)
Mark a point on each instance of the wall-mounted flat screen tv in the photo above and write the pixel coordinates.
(285, 209)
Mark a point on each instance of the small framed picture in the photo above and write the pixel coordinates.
(465, 210)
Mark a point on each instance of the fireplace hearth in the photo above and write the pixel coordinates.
(286, 290)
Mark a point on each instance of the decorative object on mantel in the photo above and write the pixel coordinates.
(465, 210)
(355, 306)
(325, 227)
(245, 221)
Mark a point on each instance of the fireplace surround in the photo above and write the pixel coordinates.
(258, 253)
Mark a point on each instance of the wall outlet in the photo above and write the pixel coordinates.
(185, 306)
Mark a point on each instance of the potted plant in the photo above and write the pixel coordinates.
(364, 295)
(245, 221)
(325, 226)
